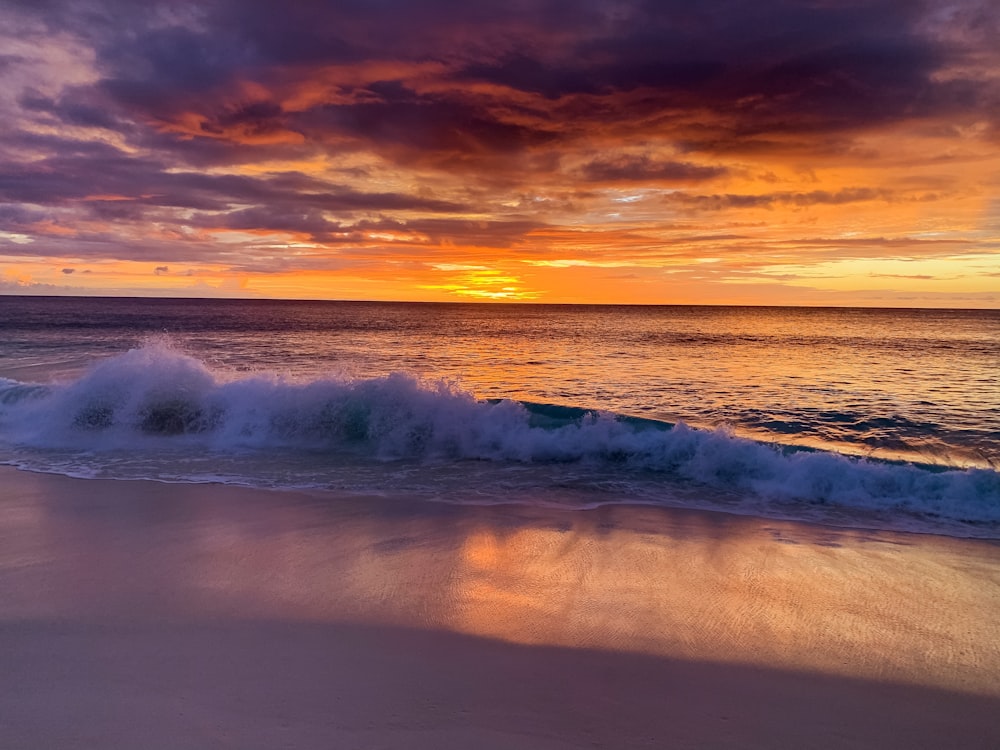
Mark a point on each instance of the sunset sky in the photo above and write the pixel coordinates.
(659, 151)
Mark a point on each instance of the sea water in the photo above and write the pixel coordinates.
(873, 417)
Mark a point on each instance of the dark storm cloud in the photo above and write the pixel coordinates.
(746, 68)
(425, 127)
(644, 169)
(255, 117)
(778, 66)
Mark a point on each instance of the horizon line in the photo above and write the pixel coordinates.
(492, 302)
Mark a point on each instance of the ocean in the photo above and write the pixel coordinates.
(872, 418)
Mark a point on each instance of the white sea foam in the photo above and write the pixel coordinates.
(156, 398)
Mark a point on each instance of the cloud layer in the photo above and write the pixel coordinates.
(623, 150)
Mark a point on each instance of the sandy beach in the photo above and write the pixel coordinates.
(139, 614)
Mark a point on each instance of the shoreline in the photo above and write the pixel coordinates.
(837, 518)
(215, 615)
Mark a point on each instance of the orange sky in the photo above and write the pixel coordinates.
(773, 152)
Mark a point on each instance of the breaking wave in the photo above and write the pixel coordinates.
(154, 396)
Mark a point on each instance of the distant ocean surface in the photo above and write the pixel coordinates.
(878, 418)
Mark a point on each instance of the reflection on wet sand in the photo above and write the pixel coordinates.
(698, 586)
(731, 590)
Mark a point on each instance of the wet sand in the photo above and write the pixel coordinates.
(138, 614)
